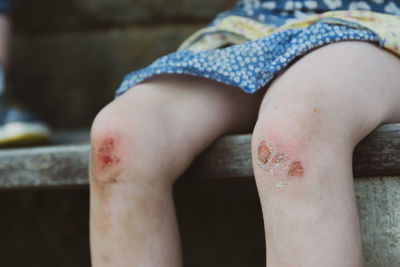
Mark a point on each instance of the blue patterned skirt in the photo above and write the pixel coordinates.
(251, 63)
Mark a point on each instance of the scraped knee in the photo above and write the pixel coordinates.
(106, 152)
(282, 160)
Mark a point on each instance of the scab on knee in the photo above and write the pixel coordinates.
(295, 169)
(105, 155)
(275, 161)
(105, 160)
(264, 152)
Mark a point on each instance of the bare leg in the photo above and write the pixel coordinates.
(310, 120)
(141, 143)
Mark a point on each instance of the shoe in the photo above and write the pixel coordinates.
(21, 128)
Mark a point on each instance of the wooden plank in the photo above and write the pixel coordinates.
(377, 155)
(44, 167)
(228, 157)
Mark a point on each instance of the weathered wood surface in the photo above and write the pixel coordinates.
(44, 167)
(378, 154)
(58, 165)
(228, 157)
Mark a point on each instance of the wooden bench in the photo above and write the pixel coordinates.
(229, 158)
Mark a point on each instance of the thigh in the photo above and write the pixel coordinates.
(169, 119)
(351, 85)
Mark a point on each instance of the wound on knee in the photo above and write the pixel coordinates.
(264, 152)
(295, 169)
(274, 161)
(267, 158)
(106, 156)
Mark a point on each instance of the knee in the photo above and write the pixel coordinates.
(295, 141)
(104, 138)
(122, 147)
(297, 126)
(303, 121)
(107, 147)
(278, 150)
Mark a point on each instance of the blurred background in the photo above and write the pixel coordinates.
(68, 58)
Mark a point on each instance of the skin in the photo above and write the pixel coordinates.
(314, 222)
(277, 162)
(132, 219)
(312, 116)
(106, 153)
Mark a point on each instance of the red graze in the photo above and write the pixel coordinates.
(295, 169)
(105, 153)
(264, 152)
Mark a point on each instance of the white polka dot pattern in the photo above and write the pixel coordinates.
(250, 65)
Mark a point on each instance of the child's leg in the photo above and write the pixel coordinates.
(141, 143)
(310, 119)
